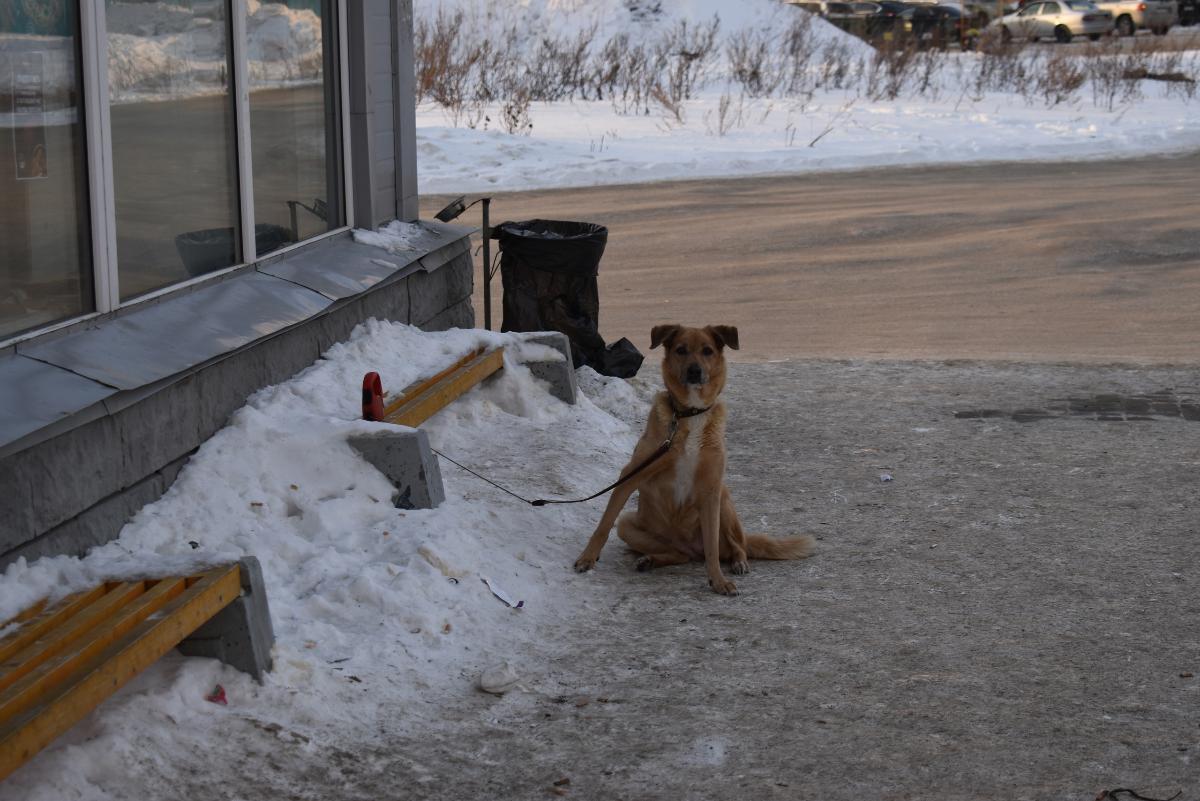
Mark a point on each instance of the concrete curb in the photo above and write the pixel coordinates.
(405, 457)
(240, 635)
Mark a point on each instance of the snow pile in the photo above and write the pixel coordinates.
(637, 19)
(844, 120)
(589, 144)
(163, 50)
(374, 608)
(395, 237)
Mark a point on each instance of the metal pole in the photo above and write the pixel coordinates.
(487, 266)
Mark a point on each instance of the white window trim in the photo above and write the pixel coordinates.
(241, 116)
(93, 35)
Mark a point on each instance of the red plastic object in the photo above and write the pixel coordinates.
(218, 696)
(372, 397)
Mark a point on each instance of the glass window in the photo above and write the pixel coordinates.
(295, 124)
(173, 141)
(45, 250)
(1050, 9)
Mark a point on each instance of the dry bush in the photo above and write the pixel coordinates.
(515, 115)
(888, 70)
(669, 66)
(1059, 78)
(681, 55)
(751, 63)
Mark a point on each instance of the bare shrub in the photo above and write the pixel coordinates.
(515, 115)
(681, 55)
(750, 63)
(1060, 77)
(835, 66)
(889, 69)
(727, 116)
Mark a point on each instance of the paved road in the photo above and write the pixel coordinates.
(1093, 262)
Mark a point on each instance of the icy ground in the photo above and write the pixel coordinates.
(374, 608)
(586, 143)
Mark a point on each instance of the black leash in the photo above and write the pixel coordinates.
(1111, 795)
(676, 416)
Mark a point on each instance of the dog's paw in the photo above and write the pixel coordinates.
(723, 586)
(739, 567)
(643, 564)
(585, 563)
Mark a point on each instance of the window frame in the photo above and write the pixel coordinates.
(97, 128)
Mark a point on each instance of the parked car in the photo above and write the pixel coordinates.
(1060, 19)
(934, 25)
(1131, 16)
(1189, 12)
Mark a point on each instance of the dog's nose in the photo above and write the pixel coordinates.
(694, 374)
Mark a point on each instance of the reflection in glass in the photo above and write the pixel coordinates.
(45, 255)
(294, 127)
(173, 140)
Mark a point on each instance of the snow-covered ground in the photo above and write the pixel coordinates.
(582, 143)
(374, 608)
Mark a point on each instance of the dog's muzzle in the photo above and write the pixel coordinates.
(694, 374)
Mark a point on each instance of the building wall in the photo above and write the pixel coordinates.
(73, 470)
(76, 490)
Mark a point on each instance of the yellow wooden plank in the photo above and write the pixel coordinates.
(38, 619)
(61, 637)
(416, 388)
(34, 685)
(112, 668)
(438, 396)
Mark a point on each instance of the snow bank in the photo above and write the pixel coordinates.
(636, 18)
(589, 144)
(374, 607)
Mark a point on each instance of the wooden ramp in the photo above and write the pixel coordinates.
(420, 401)
(63, 660)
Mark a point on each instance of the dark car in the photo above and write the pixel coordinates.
(1189, 12)
(937, 25)
(886, 19)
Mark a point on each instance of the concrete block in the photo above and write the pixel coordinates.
(240, 635)
(405, 457)
(559, 375)
(431, 293)
(95, 525)
(460, 315)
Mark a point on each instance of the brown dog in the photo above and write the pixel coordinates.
(684, 510)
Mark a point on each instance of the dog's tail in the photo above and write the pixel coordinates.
(760, 546)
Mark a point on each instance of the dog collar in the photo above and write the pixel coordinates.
(691, 411)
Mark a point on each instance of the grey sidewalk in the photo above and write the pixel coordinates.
(1008, 618)
(1013, 616)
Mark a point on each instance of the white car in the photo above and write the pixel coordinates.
(1134, 15)
(1060, 19)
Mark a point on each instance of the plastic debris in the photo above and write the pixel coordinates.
(501, 594)
(499, 679)
(218, 696)
(885, 476)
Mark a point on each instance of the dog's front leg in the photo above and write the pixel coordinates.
(616, 502)
(710, 528)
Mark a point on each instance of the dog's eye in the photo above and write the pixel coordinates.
(681, 350)
(707, 351)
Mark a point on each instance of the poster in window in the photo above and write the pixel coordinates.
(29, 116)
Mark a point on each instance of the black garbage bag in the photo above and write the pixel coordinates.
(548, 269)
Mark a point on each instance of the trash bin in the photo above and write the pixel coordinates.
(548, 270)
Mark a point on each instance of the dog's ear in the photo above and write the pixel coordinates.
(663, 334)
(725, 335)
